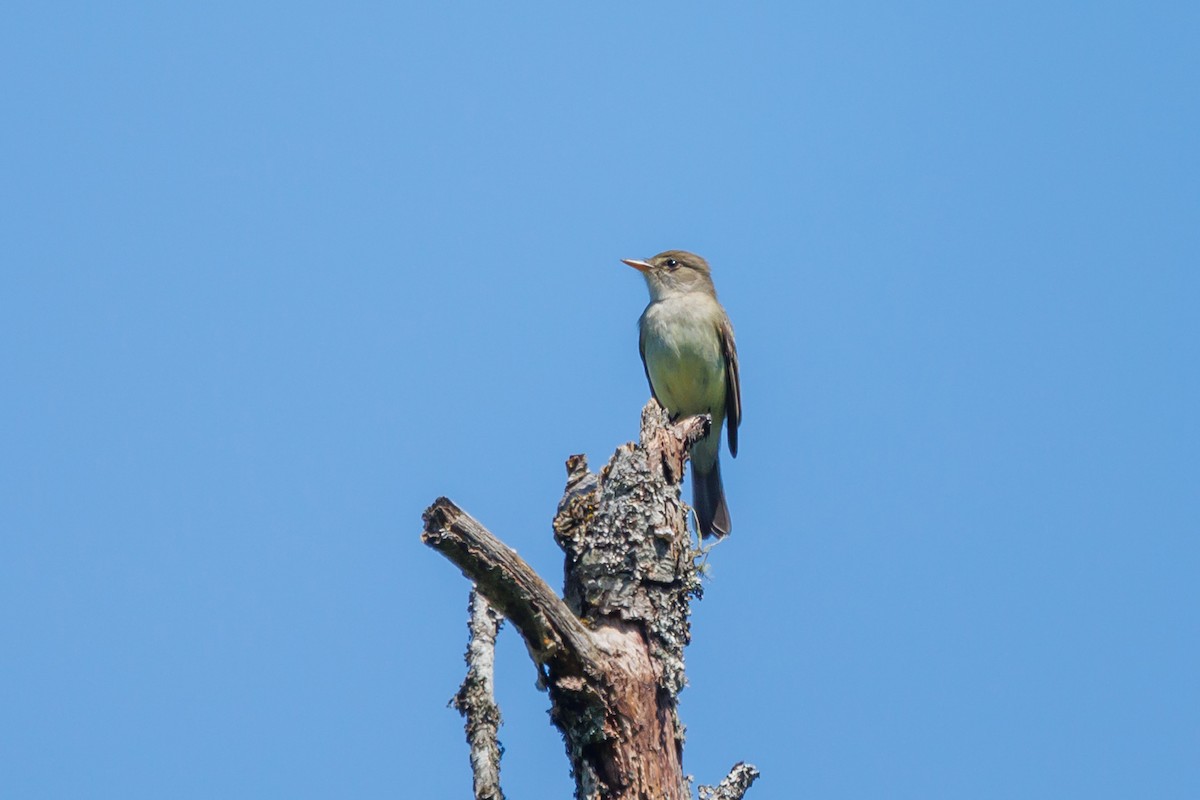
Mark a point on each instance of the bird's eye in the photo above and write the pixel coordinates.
(671, 263)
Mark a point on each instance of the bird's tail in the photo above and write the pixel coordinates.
(708, 499)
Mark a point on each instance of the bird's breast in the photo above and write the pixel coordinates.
(683, 355)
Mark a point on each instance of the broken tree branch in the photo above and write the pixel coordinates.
(476, 699)
(735, 784)
(549, 628)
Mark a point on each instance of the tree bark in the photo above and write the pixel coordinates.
(476, 698)
(734, 786)
(610, 651)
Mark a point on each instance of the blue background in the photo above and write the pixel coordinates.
(275, 276)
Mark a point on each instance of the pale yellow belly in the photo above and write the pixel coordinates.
(685, 362)
(686, 383)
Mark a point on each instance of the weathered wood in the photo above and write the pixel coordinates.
(476, 698)
(611, 650)
(551, 631)
(735, 784)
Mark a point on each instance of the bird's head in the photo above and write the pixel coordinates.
(674, 272)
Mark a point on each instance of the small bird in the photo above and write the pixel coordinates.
(691, 362)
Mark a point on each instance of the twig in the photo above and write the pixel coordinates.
(476, 699)
(735, 784)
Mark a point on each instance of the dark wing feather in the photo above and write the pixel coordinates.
(733, 384)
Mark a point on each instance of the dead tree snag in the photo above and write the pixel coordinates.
(610, 651)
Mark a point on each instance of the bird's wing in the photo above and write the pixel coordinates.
(733, 384)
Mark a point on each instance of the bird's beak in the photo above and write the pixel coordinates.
(640, 266)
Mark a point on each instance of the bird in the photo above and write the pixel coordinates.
(691, 363)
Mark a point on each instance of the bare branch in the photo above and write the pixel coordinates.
(735, 784)
(476, 699)
(552, 633)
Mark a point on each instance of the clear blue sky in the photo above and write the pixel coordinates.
(275, 276)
